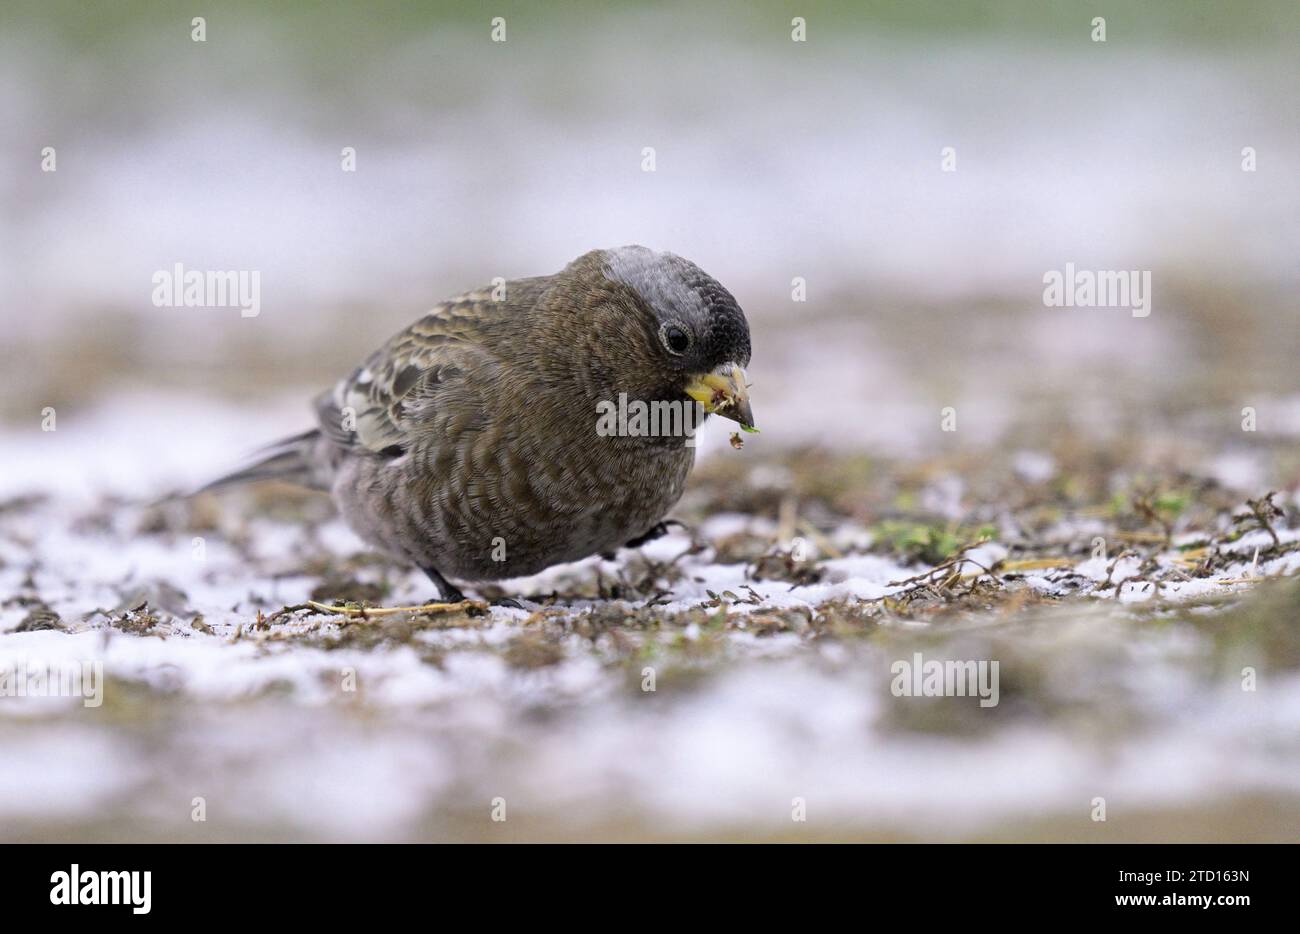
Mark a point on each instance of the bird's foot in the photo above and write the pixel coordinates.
(448, 592)
(658, 530)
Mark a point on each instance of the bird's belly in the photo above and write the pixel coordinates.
(498, 522)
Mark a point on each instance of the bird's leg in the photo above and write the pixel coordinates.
(451, 595)
(658, 530)
(446, 590)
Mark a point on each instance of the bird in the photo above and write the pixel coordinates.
(467, 445)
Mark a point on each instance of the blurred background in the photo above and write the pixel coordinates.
(773, 159)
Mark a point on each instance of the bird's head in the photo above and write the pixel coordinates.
(678, 333)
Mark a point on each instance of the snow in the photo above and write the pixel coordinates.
(331, 740)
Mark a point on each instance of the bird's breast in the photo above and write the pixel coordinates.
(503, 504)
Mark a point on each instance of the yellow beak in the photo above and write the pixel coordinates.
(723, 392)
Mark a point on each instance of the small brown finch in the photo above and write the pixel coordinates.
(468, 444)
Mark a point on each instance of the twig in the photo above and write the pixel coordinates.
(1264, 510)
(367, 612)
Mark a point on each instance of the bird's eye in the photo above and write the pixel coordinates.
(675, 338)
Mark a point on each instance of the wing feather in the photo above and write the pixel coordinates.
(381, 405)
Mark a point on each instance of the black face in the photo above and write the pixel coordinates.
(701, 326)
(721, 332)
(692, 325)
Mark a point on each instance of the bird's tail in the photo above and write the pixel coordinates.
(290, 460)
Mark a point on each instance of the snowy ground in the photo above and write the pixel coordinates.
(1086, 525)
(767, 633)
